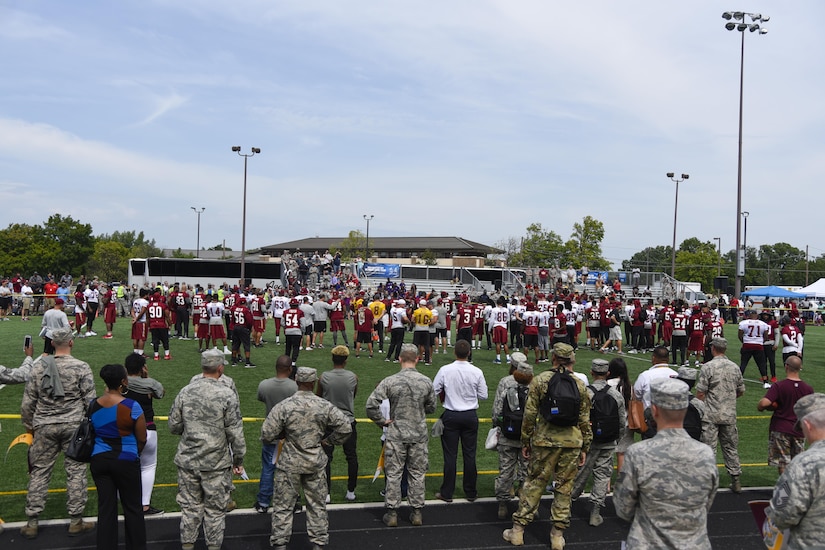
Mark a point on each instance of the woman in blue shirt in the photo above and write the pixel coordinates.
(120, 435)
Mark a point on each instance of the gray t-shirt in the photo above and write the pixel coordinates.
(338, 387)
(274, 390)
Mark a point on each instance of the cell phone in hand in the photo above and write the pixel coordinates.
(27, 342)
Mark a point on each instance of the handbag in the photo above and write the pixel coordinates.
(83, 439)
(492, 439)
(636, 416)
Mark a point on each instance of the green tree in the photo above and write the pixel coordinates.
(353, 245)
(70, 244)
(696, 261)
(21, 249)
(428, 257)
(135, 243)
(539, 248)
(181, 254)
(584, 248)
(654, 259)
(220, 247)
(109, 261)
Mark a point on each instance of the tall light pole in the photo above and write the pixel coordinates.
(745, 241)
(675, 211)
(754, 26)
(719, 255)
(198, 212)
(367, 249)
(255, 150)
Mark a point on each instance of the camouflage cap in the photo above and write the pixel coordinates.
(599, 366)
(517, 357)
(62, 336)
(524, 368)
(686, 373)
(341, 350)
(669, 393)
(563, 350)
(306, 374)
(213, 358)
(806, 405)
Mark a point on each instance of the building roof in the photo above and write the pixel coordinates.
(455, 245)
(204, 254)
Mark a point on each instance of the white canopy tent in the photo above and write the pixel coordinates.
(814, 290)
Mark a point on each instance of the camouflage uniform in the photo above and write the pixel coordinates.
(555, 452)
(18, 375)
(411, 398)
(53, 421)
(512, 466)
(721, 381)
(667, 483)
(207, 416)
(798, 500)
(304, 418)
(600, 458)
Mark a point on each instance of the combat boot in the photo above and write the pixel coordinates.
(596, 516)
(391, 518)
(556, 539)
(503, 511)
(29, 531)
(416, 518)
(735, 484)
(79, 527)
(514, 535)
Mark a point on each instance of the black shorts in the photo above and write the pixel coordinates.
(531, 340)
(308, 330)
(421, 338)
(319, 326)
(240, 336)
(363, 337)
(442, 332)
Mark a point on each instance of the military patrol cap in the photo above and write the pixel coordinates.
(669, 393)
(563, 350)
(517, 357)
(524, 368)
(806, 405)
(62, 336)
(212, 358)
(599, 366)
(341, 350)
(686, 374)
(306, 374)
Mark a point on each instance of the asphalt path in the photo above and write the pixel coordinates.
(458, 525)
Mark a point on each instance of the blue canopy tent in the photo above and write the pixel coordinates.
(772, 292)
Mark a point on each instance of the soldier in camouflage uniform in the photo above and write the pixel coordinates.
(667, 483)
(512, 466)
(600, 458)
(720, 384)
(411, 398)
(301, 421)
(554, 453)
(207, 416)
(56, 397)
(798, 501)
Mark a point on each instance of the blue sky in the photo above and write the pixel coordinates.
(472, 118)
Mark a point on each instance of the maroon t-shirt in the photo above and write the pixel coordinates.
(786, 393)
(363, 319)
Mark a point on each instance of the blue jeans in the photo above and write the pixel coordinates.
(267, 484)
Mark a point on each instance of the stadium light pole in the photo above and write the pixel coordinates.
(675, 211)
(719, 255)
(255, 150)
(198, 212)
(754, 26)
(367, 249)
(745, 241)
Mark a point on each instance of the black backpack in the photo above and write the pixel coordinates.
(604, 416)
(693, 422)
(560, 404)
(642, 314)
(511, 419)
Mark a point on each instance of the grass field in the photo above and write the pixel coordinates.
(753, 426)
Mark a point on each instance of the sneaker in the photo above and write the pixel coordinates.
(107, 336)
(227, 351)
(156, 358)
(249, 366)
(439, 496)
(260, 508)
(395, 360)
(766, 385)
(496, 361)
(350, 496)
(387, 360)
(167, 357)
(152, 511)
(633, 351)
(327, 500)
(88, 333)
(773, 379)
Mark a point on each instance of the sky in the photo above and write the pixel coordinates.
(469, 118)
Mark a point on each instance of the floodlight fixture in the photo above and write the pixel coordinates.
(236, 148)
